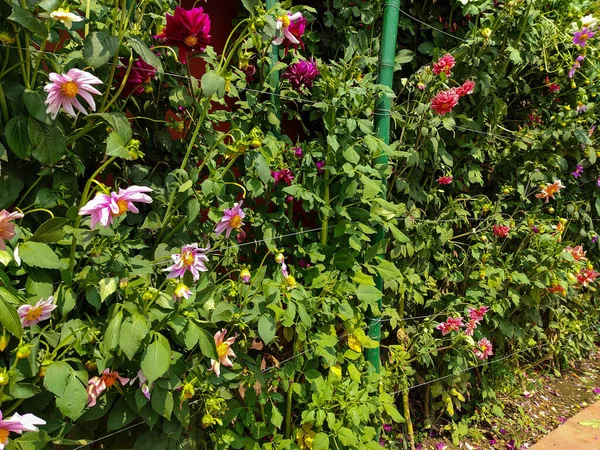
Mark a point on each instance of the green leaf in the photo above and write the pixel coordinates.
(113, 331)
(118, 122)
(276, 417)
(402, 57)
(250, 5)
(212, 84)
(73, 403)
(321, 442)
(351, 155)
(56, 377)
(368, 294)
(26, 19)
(370, 188)
(140, 47)
(267, 328)
(50, 143)
(156, 358)
(50, 231)
(135, 329)
(193, 209)
(347, 437)
(17, 136)
(23, 390)
(162, 402)
(36, 254)
(207, 344)
(11, 185)
(9, 318)
(108, 286)
(34, 103)
(117, 146)
(99, 47)
(120, 415)
(388, 271)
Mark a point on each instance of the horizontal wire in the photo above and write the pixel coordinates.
(109, 435)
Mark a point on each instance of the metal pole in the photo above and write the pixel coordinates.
(274, 75)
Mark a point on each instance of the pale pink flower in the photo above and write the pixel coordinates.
(224, 351)
(451, 324)
(7, 229)
(97, 385)
(471, 327)
(191, 258)
(231, 220)
(477, 314)
(63, 90)
(104, 208)
(143, 383)
(484, 349)
(577, 253)
(32, 314)
(17, 424)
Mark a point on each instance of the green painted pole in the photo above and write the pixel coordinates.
(391, 12)
(274, 74)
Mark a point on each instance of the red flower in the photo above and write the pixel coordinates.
(444, 101)
(140, 75)
(466, 88)
(587, 276)
(501, 230)
(446, 179)
(444, 64)
(187, 29)
(302, 73)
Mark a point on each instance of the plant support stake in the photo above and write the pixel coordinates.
(391, 12)
(274, 74)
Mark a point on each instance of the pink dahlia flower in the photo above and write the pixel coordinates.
(17, 424)
(290, 29)
(97, 385)
(471, 327)
(501, 230)
(444, 101)
(576, 65)
(104, 208)
(484, 349)
(7, 228)
(32, 314)
(140, 76)
(446, 179)
(224, 351)
(587, 276)
(190, 259)
(188, 30)
(284, 175)
(444, 64)
(451, 324)
(466, 88)
(231, 220)
(302, 73)
(581, 37)
(477, 314)
(64, 88)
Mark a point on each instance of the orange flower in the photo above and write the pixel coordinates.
(548, 191)
(97, 385)
(223, 351)
(557, 289)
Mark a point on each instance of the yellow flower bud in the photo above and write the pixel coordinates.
(23, 352)
(486, 32)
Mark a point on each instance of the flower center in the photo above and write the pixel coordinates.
(222, 350)
(122, 204)
(190, 41)
(285, 21)
(188, 259)
(33, 315)
(3, 435)
(60, 15)
(235, 222)
(584, 37)
(69, 89)
(109, 380)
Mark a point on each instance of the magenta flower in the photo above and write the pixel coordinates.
(581, 37)
(484, 349)
(387, 427)
(444, 64)
(478, 314)
(231, 220)
(7, 228)
(104, 208)
(298, 152)
(32, 314)
(451, 324)
(501, 230)
(440, 446)
(596, 391)
(576, 65)
(445, 180)
(140, 76)
(284, 175)
(302, 73)
(578, 171)
(188, 30)
(190, 259)
(290, 29)
(64, 88)
(320, 166)
(17, 424)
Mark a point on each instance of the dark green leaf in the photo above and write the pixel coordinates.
(36, 254)
(26, 18)
(17, 136)
(50, 231)
(156, 358)
(135, 329)
(99, 47)
(48, 142)
(145, 53)
(9, 318)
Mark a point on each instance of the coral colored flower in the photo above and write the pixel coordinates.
(576, 65)
(548, 191)
(578, 171)
(7, 228)
(581, 37)
(446, 179)
(104, 208)
(301, 73)
(451, 324)
(466, 88)
(587, 276)
(471, 327)
(140, 76)
(97, 385)
(188, 30)
(444, 64)
(64, 88)
(231, 220)
(477, 314)
(444, 101)
(284, 175)
(484, 349)
(557, 289)
(32, 314)
(501, 230)
(577, 253)
(143, 383)
(17, 424)
(182, 291)
(290, 28)
(224, 351)
(62, 15)
(190, 259)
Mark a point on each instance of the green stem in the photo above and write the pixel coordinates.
(34, 183)
(325, 221)
(288, 411)
(38, 61)
(3, 106)
(409, 426)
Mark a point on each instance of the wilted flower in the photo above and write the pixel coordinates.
(64, 88)
(501, 230)
(594, 239)
(301, 73)
(17, 424)
(588, 21)
(182, 291)
(104, 208)
(62, 15)
(483, 349)
(97, 385)
(548, 191)
(223, 351)
(587, 276)
(191, 258)
(576, 65)
(32, 314)
(290, 28)
(578, 171)
(444, 101)
(143, 383)
(596, 390)
(7, 228)
(320, 166)
(140, 75)
(444, 180)
(557, 289)
(421, 86)
(451, 324)
(444, 64)
(231, 220)
(581, 37)
(576, 252)
(188, 30)
(284, 174)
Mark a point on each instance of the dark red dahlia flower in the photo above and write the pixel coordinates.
(140, 76)
(187, 29)
(302, 73)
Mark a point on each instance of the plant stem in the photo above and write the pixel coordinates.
(38, 61)
(288, 411)
(3, 106)
(409, 425)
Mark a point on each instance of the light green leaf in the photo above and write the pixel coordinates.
(73, 403)
(321, 442)
(99, 47)
(56, 377)
(9, 318)
(134, 329)
(113, 331)
(212, 84)
(347, 437)
(36, 254)
(266, 328)
(108, 286)
(207, 344)
(117, 146)
(156, 358)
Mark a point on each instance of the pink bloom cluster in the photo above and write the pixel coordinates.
(445, 101)
(301, 74)
(587, 276)
(577, 253)
(451, 324)
(141, 75)
(484, 349)
(475, 317)
(444, 180)
(444, 64)
(97, 385)
(284, 175)
(501, 230)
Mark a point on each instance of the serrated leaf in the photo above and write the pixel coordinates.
(49, 143)
(50, 231)
(37, 254)
(135, 329)
(17, 136)
(26, 19)
(212, 84)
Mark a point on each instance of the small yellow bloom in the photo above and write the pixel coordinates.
(336, 370)
(354, 344)
(486, 32)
